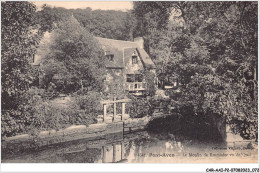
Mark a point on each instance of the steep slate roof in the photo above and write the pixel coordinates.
(122, 51)
(113, 47)
(145, 58)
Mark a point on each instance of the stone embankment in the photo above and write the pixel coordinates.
(74, 132)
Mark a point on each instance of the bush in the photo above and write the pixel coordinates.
(90, 103)
(39, 113)
(140, 106)
(11, 123)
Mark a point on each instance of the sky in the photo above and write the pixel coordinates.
(103, 5)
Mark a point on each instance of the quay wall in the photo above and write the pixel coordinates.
(74, 132)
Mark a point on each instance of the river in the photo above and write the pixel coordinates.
(162, 142)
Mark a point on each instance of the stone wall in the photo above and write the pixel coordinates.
(72, 133)
(51, 137)
(84, 146)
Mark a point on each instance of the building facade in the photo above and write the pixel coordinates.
(127, 61)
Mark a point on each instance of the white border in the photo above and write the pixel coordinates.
(90, 167)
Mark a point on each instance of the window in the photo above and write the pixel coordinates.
(134, 59)
(110, 57)
(134, 78)
(138, 78)
(130, 78)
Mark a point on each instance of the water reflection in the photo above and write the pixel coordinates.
(139, 147)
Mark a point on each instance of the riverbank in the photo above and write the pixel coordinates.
(24, 142)
(74, 132)
(135, 147)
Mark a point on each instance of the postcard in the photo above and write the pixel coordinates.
(129, 82)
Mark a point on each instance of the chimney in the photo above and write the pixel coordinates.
(139, 41)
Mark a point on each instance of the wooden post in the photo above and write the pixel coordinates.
(114, 153)
(105, 112)
(114, 113)
(122, 150)
(104, 154)
(123, 110)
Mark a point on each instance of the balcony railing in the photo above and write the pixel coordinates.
(136, 86)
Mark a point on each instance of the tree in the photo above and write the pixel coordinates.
(152, 18)
(212, 48)
(218, 63)
(109, 24)
(19, 40)
(76, 58)
(48, 17)
(102, 23)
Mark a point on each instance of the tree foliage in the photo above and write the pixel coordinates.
(102, 23)
(106, 23)
(19, 41)
(75, 56)
(48, 17)
(76, 59)
(151, 18)
(214, 54)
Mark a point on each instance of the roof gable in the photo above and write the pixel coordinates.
(128, 52)
(123, 51)
(115, 47)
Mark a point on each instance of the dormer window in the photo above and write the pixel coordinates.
(110, 57)
(134, 58)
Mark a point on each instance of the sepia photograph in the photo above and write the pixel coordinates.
(129, 82)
